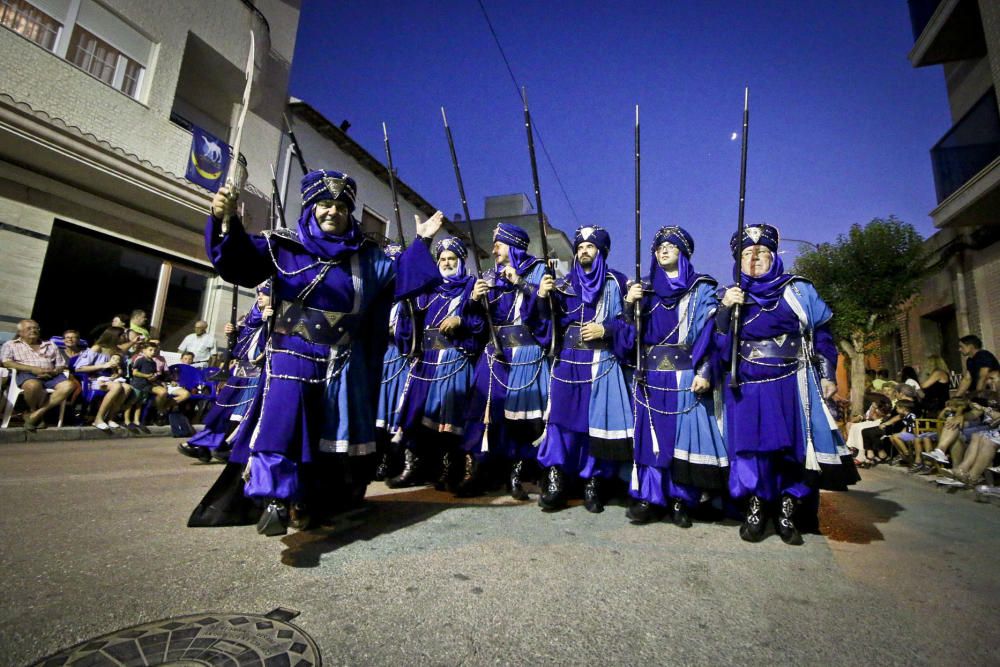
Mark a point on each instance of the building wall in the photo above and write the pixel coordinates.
(989, 10)
(985, 274)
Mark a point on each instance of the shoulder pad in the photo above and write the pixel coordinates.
(565, 286)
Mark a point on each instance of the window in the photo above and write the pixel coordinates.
(29, 22)
(98, 58)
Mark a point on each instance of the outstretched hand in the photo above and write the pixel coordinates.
(429, 227)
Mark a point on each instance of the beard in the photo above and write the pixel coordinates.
(449, 273)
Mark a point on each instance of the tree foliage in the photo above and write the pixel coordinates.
(866, 275)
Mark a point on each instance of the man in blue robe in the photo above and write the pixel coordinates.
(679, 452)
(307, 438)
(395, 370)
(431, 411)
(589, 429)
(782, 439)
(510, 386)
(239, 389)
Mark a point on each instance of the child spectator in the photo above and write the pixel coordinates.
(104, 360)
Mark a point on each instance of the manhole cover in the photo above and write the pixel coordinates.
(220, 640)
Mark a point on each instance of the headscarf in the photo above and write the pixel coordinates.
(670, 290)
(767, 289)
(327, 184)
(452, 286)
(255, 317)
(588, 284)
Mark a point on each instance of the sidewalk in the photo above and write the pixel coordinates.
(51, 434)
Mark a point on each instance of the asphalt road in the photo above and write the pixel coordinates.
(94, 539)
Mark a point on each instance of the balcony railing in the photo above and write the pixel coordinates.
(969, 146)
(921, 12)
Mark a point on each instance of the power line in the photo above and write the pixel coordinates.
(538, 132)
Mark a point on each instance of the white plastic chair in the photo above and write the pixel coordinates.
(13, 391)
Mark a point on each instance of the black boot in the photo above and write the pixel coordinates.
(680, 518)
(641, 511)
(471, 483)
(752, 529)
(299, 517)
(382, 468)
(274, 520)
(221, 454)
(592, 496)
(444, 479)
(553, 494)
(408, 477)
(784, 522)
(517, 491)
(201, 453)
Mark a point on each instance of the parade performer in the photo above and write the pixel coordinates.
(395, 370)
(783, 442)
(432, 408)
(510, 386)
(307, 435)
(679, 452)
(589, 427)
(236, 394)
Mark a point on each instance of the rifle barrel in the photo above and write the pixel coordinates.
(734, 327)
(295, 146)
(534, 177)
(472, 233)
(638, 252)
(392, 186)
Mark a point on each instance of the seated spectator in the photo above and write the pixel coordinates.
(103, 361)
(187, 358)
(963, 418)
(982, 445)
(120, 320)
(150, 378)
(905, 440)
(71, 348)
(881, 378)
(979, 363)
(936, 385)
(876, 442)
(201, 344)
(879, 407)
(40, 366)
(908, 376)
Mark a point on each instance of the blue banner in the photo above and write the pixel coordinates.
(208, 161)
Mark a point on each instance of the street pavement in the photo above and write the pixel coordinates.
(93, 540)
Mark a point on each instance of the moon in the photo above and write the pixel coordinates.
(733, 136)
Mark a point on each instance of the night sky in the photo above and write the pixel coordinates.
(840, 123)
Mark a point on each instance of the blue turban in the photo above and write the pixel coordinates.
(393, 250)
(512, 235)
(593, 234)
(453, 244)
(677, 236)
(759, 234)
(328, 184)
(317, 186)
(265, 287)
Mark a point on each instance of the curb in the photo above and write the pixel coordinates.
(74, 433)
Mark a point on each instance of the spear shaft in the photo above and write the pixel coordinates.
(638, 254)
(734, 327)
(472, 232)
(295, 146)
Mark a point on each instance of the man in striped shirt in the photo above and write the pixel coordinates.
(39, 367)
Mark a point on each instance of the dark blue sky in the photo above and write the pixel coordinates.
(840, 129)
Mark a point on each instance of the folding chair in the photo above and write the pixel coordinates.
(12, 394)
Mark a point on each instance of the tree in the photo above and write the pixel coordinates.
(866, 276)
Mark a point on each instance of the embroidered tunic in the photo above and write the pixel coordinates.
(324, 357)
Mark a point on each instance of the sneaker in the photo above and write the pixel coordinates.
(102, 426)
(937, 455)
(112, 424)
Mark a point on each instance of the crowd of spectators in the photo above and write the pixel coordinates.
(919, 422)
(113, 382)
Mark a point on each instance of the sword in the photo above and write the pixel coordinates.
(233, 174)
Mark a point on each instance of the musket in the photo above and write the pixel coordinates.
(538, 206)
(411, 311)
(392, 187)
(295, 145)
(734, 327)
(472, 232)
(233, 173)
(638, 257)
